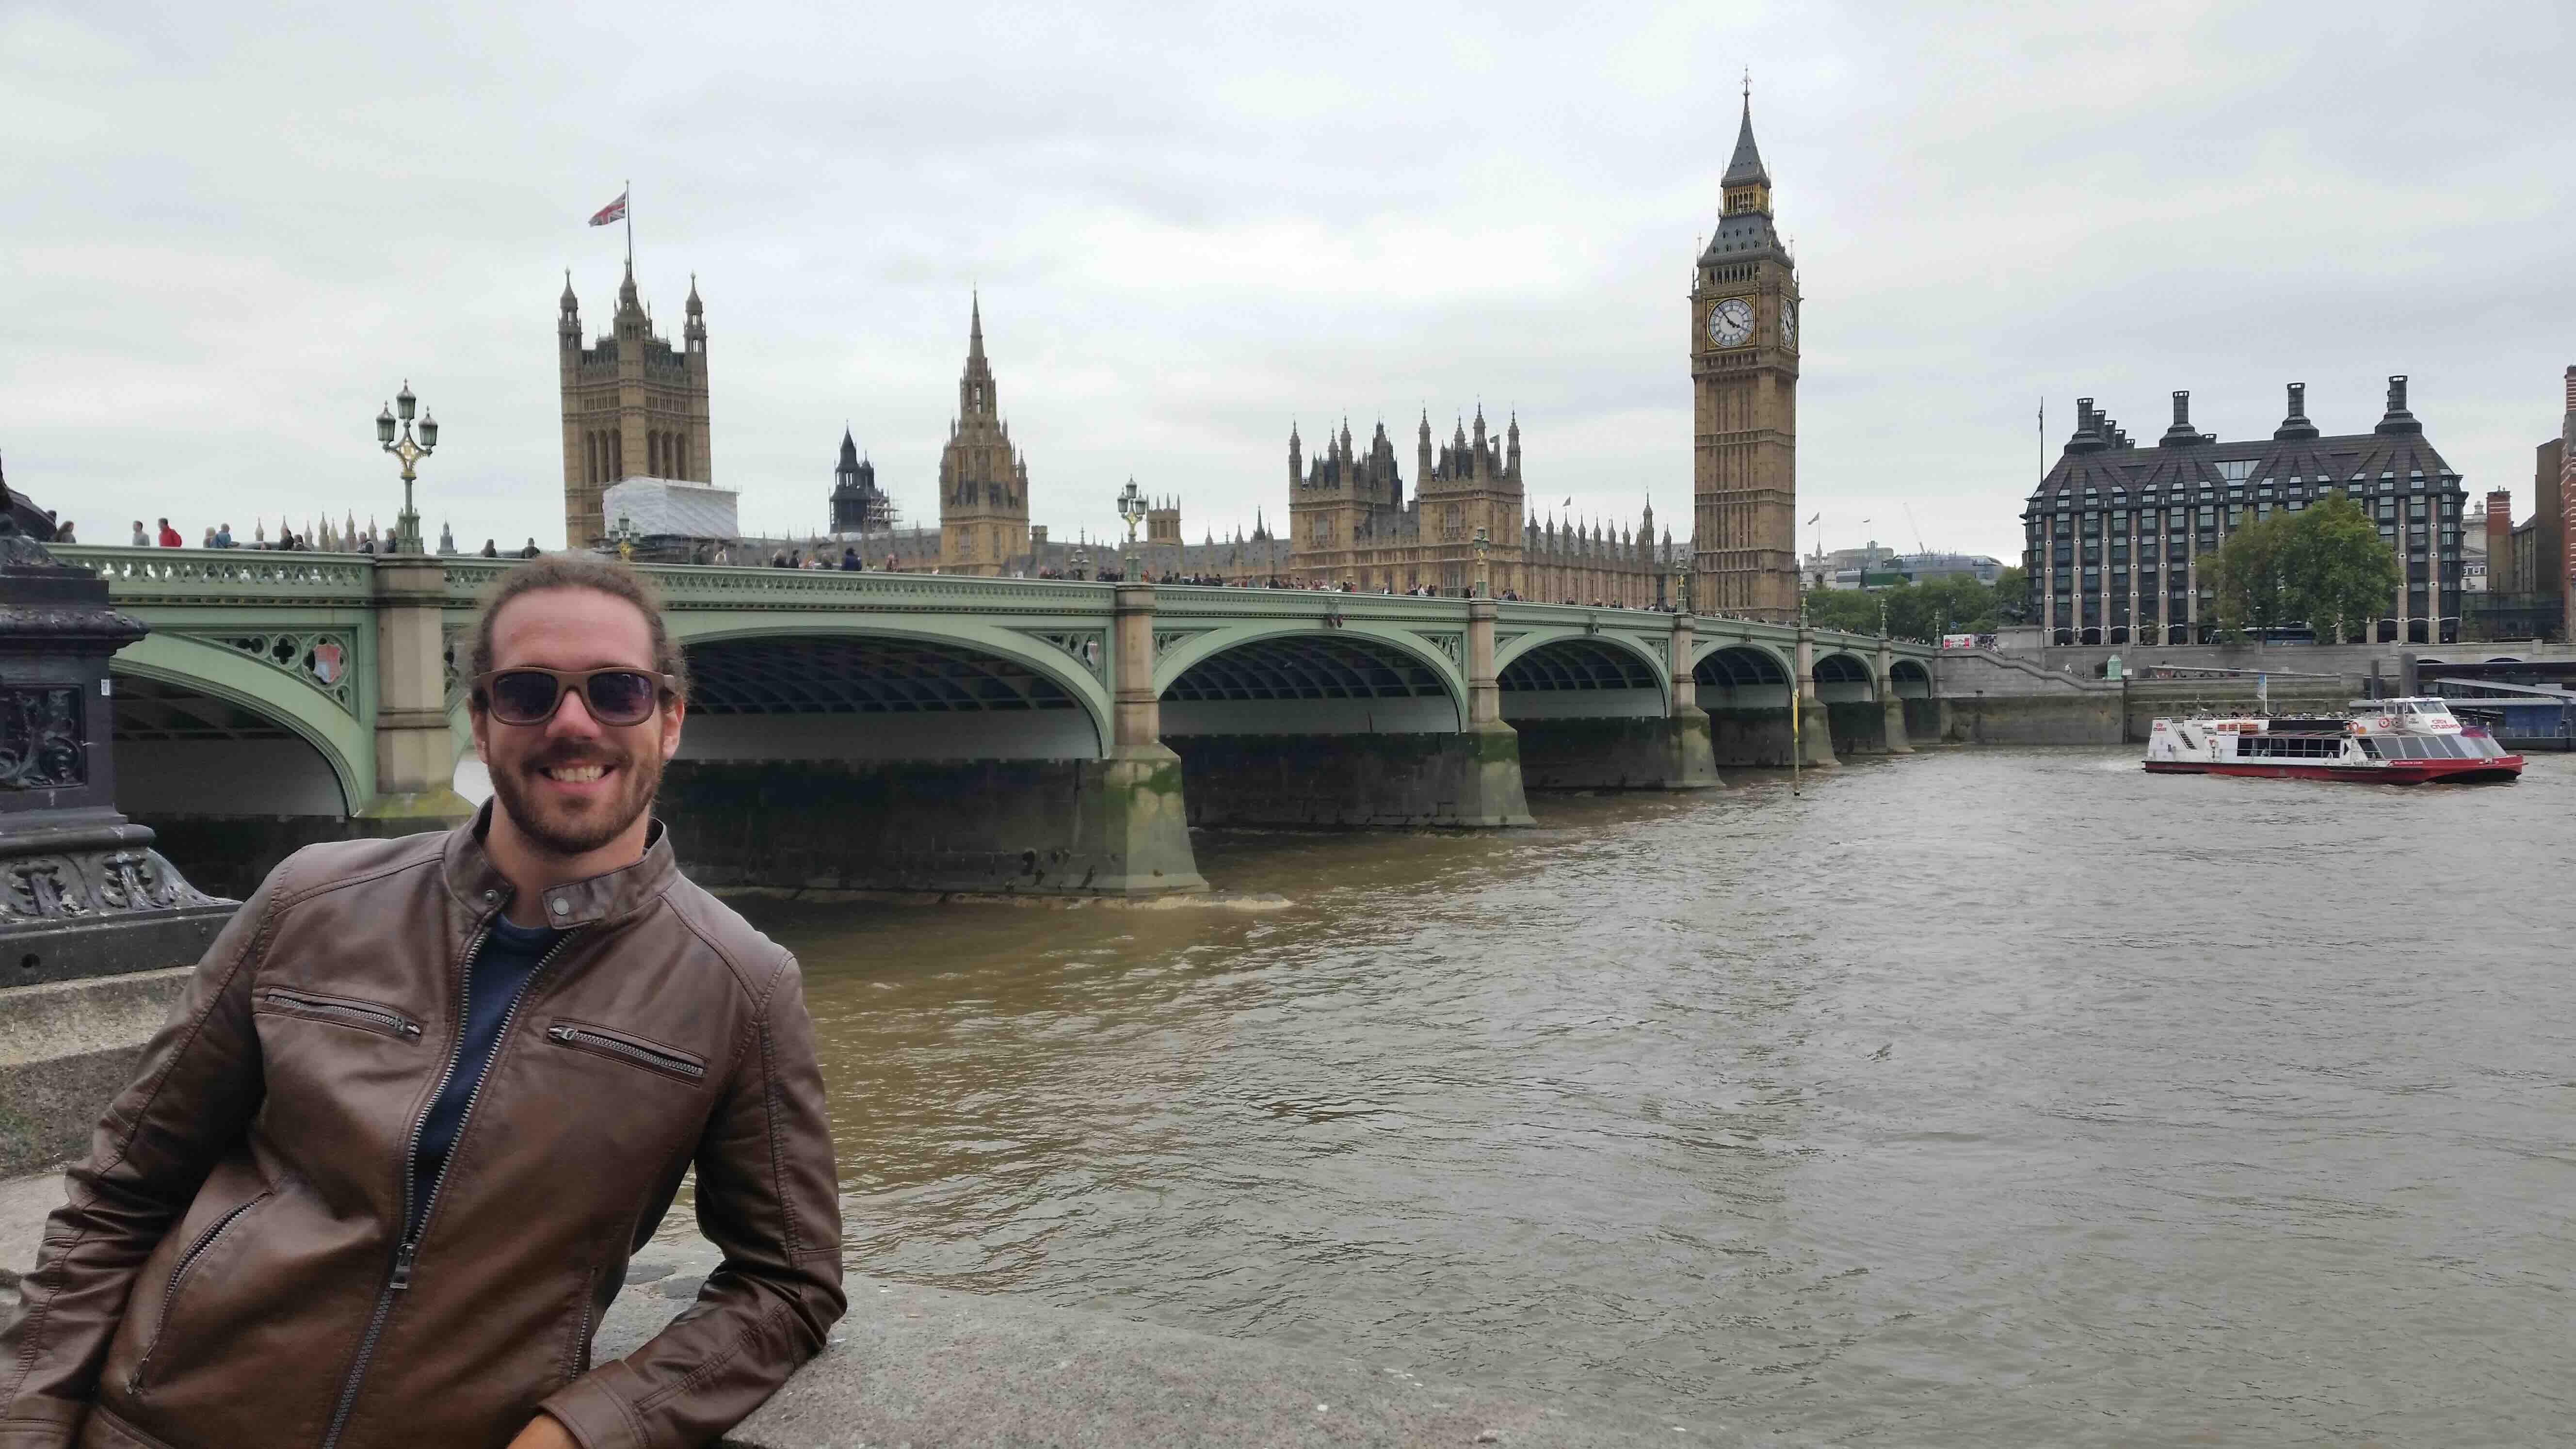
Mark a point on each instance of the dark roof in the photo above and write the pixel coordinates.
(1743, 236)
(2332, 460)
(1746, 168)
(2102, 458)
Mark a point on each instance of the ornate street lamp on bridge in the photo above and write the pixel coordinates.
(407, 524)
(1681, 583)
(1484, 542)
(1131, 507)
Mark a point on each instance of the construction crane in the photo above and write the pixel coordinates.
(1919, 549)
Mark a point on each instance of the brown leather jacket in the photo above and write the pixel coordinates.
(229, 1270)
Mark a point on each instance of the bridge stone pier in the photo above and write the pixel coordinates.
(906, 731)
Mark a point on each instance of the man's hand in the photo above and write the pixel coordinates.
(544, 1432)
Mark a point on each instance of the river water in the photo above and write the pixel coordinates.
(1981, 1097)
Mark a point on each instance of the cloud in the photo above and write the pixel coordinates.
(234, 233)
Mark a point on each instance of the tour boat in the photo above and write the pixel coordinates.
(2381, 742)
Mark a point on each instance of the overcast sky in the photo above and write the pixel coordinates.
(231, 231)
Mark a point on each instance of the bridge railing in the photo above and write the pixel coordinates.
(171, 575)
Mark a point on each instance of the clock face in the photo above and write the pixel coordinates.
(1730, 323)
(1788, 324)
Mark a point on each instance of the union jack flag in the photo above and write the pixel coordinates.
(613, 211)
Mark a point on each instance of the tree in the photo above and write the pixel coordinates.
(2012, 596)
(1852, 611)
(2341, 573)
(2325, 566)
(1916, 611)
(2251, 577)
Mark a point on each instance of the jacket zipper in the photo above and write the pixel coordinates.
(650, 1056)
(581, 1349)
(179, 1275)
(407, 1254)
(399, 1024)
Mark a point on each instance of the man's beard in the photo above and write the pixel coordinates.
(572, 833)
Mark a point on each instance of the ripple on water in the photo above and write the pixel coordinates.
(1979, 1097)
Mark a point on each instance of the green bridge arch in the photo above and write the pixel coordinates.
(219, 672)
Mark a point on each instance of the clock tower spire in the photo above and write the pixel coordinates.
(1744, 383)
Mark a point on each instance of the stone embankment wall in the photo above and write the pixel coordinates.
(2005, 699)
(2352, 661)
(916, 1365)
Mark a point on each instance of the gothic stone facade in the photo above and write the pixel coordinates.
(1350, 523)
(1744, 376)
(632, 407)
(2122, 540)
(983, 479)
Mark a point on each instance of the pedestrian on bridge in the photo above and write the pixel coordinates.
(424, 1096)
(142, 535)
(170, 536)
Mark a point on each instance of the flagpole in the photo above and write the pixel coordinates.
(630, 228)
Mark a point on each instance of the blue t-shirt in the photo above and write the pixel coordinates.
(509, 956)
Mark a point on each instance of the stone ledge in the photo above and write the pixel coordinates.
(924, 1367)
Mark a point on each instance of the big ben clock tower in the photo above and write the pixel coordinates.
(1744, 381)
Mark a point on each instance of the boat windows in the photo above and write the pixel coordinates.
(2290, 747)
(2369, 747)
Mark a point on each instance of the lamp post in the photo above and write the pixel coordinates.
(1484, 543)
(1681, 583)
(407, 524)
(1131, 507)
(1081, 563)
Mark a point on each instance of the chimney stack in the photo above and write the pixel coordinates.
(2295, 423)
(2181, 434)
(2398, 419)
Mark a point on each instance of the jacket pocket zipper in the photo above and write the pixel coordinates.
(179, 1276)
(373, 1018)
(642, 1053)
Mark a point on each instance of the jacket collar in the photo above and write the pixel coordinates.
(613, 896)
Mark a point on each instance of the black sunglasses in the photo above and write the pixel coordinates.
(617, 695)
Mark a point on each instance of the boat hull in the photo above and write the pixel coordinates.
(2394, 772)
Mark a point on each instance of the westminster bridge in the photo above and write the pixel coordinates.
(881, 730)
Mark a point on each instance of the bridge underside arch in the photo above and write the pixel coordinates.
(1843, 678)
(1581, 677)
(1742, 676)
(1310, 684)
(842, 696)
(1910, 679)
(186, 751)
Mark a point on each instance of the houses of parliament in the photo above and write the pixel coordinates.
(633, 406)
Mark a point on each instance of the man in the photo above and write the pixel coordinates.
(142, 536)
(378, 1177)
(170, 536)
(224, 536)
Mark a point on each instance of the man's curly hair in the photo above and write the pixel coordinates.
(613, 577)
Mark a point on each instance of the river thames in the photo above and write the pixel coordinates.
(1983, 1097)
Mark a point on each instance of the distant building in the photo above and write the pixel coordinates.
(1877, 567)
(2119, 536)
(1349, 522)
(632, 406)
(858, 506)
(2527, 566)
(983, 478)
(667, 521)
